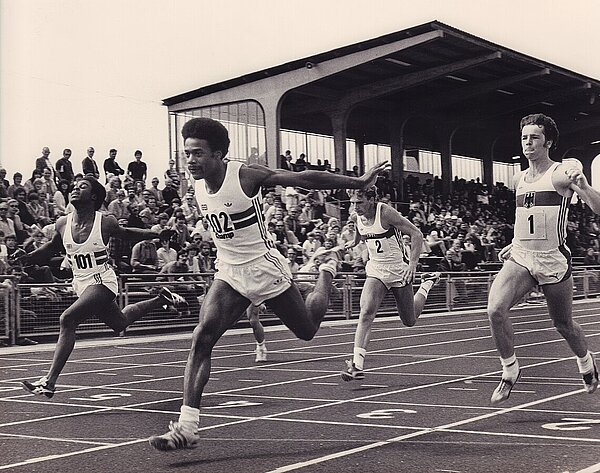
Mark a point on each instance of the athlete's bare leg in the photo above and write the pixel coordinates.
(222, 307)
(511, 284)
(253, 314)
(560, 307)
(371, 296)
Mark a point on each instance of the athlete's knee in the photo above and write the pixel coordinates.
(306, 332)
(203, 340)
(497, 313)
(564, 327)
(68, 320)
(408, 321)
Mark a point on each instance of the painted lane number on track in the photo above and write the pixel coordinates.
(384, 413)
(572, 424)
(102, 397)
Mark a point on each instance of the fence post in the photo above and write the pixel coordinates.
(586, 284)
(449, 286)
(347, 297)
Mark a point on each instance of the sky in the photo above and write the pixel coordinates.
(79, 73)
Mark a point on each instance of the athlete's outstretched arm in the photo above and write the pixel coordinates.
(264, 176)
(111, 228)
(44, 252)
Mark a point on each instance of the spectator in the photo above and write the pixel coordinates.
(182, 236)
(44, 161)
(61, 197)
(17, 179)
(137, 169)
(190, 210)
(156, 191)
(7, 225)
(3, 181)
(170, 191)
(144, 258)
(162, 219)
(114, 184)
(118, 207)
(590, 258)
(172, 173)
(310, 245)
(88, 165)
(64, 168)
(450, 264)
(48, 186)
(205, 261)
(165, 253)
(111, 166)
(29, 183)
(13, 214)
(134, 219)
(202, 228)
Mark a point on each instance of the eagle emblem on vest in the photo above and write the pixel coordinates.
(529, 200)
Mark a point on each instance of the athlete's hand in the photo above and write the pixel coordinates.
(576, 176)
(408, 275)
(505, 252)
(370, 177)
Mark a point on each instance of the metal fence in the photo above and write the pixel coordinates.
(33, 310)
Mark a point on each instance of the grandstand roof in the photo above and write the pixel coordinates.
(432, 80)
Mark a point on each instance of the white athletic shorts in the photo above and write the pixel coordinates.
(258, 280)
(546, 267)
(389, 274)
(107, 278)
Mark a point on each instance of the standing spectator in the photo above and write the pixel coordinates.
(88, 165)
(64, 167)
(137, 169)
(17, 179)
(301, 164)
(44, 161)
(111, 166)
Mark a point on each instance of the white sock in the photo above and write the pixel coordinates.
(510, 367)
(425, 287)
(261, 345)
(189, 417)
(585, 364)
(359, 357)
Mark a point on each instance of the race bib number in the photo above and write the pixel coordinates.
(221, 225)
(531, 224)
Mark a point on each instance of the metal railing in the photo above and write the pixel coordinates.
(33, 310)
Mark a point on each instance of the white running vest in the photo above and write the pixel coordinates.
(89, 257)
(541, 214)
(236, 220)
(385, 246)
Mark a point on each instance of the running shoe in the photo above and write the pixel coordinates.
(435, 277)
(590, 379)
(39, 387)
(352, 372)
(502, 392)
(177, 438)
(172, 298)
(261, 353)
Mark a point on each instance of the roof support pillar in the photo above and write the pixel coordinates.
(446, 156)
(339, 120)
(270, 106)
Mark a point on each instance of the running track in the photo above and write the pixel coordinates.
(423, 406)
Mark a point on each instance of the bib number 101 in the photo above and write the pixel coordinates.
(83, 261)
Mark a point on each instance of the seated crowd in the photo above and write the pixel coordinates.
(462, 230)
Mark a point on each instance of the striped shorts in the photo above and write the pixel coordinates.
(107, 278)
(258, 280)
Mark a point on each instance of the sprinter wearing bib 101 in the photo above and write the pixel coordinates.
(538, 253)
(84, 235)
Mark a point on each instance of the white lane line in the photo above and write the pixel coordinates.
(464, 389)
(327, 384)
(352, 451)
(590, 469)
(55, 439)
